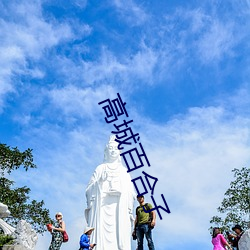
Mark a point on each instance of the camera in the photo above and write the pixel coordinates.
(134, 236)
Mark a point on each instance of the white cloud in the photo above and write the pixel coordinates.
(198, 33)
(192, 156)
(105, 69)
(131, 12)
(240, 101)
(10, 58)
(80, 3)
(31, 33)
(217, 42)
(121, 71)
(198, 19)
(25, 35)
(80, 102)
(143, 63)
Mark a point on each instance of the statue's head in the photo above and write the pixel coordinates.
(111, 152)
(4, 212)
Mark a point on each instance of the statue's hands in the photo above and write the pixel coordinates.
(131, 217)
(91, 201)
(104, 175)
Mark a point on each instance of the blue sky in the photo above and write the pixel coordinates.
(182, 67)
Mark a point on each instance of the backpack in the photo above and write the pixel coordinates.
(150, 218)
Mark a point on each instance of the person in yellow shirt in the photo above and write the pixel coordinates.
(144, 223)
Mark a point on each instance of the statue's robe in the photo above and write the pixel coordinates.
(244, 242)
(110, 197)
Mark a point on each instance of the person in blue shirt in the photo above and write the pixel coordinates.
(84, 240)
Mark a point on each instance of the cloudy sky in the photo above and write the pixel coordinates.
(181, 66)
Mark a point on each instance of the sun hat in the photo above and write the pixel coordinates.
(59, 213)
(87, 229)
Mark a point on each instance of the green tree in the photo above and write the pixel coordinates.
(17, 199)
(235, 207)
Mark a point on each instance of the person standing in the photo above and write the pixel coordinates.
(56, 231)
(218, 240)
(142, 226)
(85, 239)
(239, 231)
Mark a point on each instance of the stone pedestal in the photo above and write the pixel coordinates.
(13, 247)
(244, 242)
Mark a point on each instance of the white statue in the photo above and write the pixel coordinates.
(25, 235)
(244, 242)
(4, 212)
(110, 197)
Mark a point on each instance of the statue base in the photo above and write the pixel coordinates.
(12, 247)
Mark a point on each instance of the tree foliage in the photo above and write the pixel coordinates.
(235, 206)
(17, 199)
(11, 159)
(6, 240)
